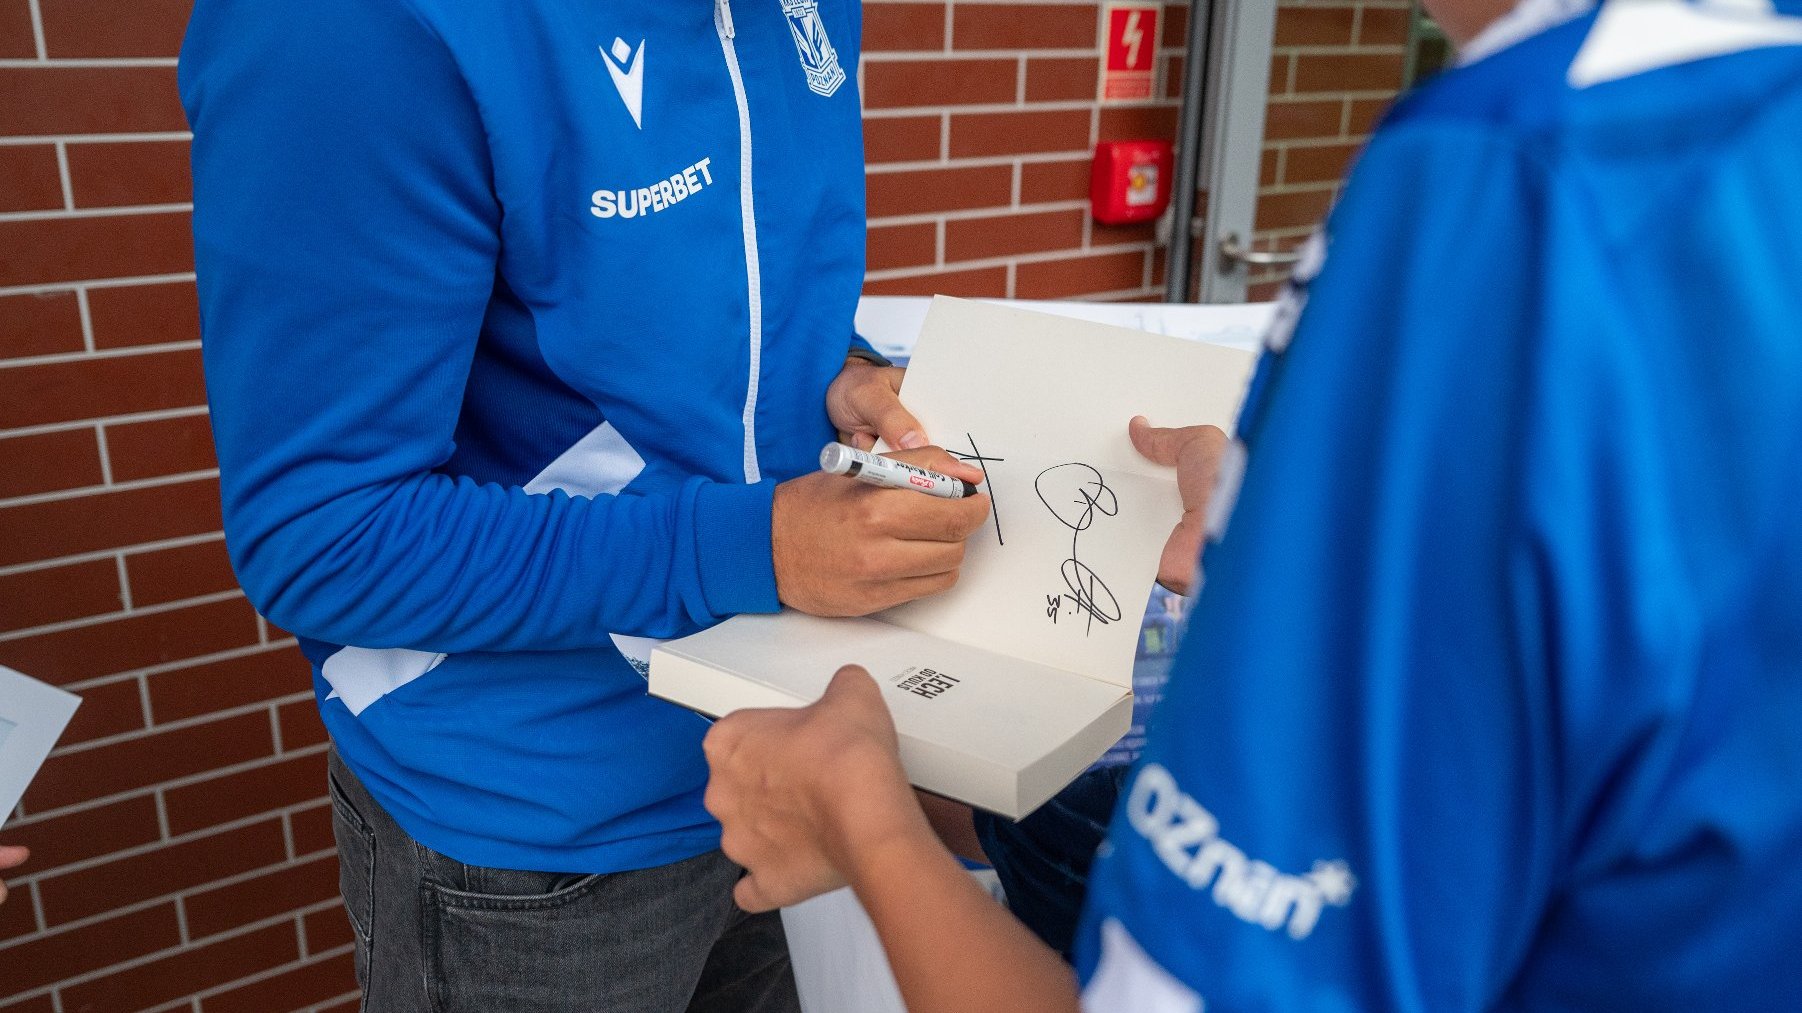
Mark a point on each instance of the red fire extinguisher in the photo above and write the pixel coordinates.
(1130, 181)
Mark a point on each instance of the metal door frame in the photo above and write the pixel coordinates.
(1226, 87)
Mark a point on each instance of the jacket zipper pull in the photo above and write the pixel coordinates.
(723, 14)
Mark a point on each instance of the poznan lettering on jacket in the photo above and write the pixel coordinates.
(1186, 837)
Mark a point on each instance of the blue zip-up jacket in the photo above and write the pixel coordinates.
(1493, 699)
(514, 314)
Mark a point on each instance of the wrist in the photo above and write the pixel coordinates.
(871, 855)
(872, 818)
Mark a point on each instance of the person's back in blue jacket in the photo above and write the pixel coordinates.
(515, 315)
(1493, 699)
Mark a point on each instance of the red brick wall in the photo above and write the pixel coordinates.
(182, 845)
(980, 120)
(1336, 65)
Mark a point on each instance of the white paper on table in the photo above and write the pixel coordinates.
(32, 717)
(1062, 572)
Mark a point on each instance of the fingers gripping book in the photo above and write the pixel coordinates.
(1006, 687)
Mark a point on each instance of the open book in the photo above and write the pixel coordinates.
(1009, 685)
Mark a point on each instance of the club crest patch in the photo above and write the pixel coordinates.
(819, 61)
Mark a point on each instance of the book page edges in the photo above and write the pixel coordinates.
(943, 768)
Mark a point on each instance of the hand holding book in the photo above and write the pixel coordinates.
(1002, 687)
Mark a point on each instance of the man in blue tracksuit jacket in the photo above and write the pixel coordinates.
(515, 316)
(1493, 697)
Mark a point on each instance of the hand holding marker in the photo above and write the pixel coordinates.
(838, 459)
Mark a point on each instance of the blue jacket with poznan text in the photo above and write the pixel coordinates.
(1493, 700)
(514, 314)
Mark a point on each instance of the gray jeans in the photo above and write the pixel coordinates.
(437, 936)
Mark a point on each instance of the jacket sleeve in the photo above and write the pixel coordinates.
(346, 238)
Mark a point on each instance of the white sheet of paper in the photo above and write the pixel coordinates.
(1062, 572)
(32, 717)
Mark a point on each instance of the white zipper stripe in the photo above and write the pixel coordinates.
(748, 216)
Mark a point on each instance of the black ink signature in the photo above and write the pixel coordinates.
(982, 462)
(1082, 487)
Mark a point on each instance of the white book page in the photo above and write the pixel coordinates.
(1061, 573)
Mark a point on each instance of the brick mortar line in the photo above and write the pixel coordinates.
(985, 108)
(87, 62)
(62, 172)
(127, 281)
(328, 1004)
(108, 212)
(148, 958)
(1342, 49)
(124, 352)
(112, 617)
(85, 310)
(189, 893)
(182, 782)
(64, 495)
(230, 654)
(181, 922)
(1383, 94)
(37, 909)
(977, 162)
(37, 30)
(183, 724)
(121, 137)
(953, 55)
(106, 468)
(1034, 257)
(160, 415)
(306, 960)
(1114, 295)
(140, 850)
(146, 712)
(977, 214)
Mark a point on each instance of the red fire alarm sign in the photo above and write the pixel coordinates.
(1131, 49)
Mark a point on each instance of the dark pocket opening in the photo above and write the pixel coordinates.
(356, 860)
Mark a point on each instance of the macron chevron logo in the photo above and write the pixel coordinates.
(627, 68)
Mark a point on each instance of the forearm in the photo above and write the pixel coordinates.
(952, 948)
(449, 566)
(953, 824)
